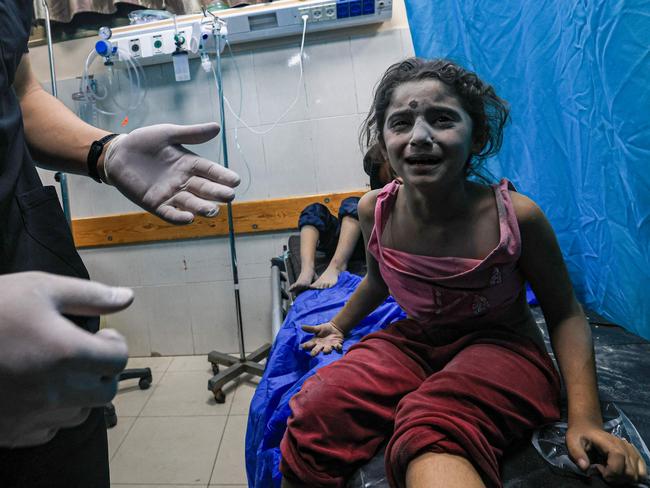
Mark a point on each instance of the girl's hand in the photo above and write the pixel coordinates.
(620, 462)
(326, 338)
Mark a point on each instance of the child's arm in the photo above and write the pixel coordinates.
(370, 293)
(543, 266)
(372, 290)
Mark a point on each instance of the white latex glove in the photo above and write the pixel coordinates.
(151, 168)
(51, 371)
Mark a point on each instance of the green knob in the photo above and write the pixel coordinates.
(157, 43)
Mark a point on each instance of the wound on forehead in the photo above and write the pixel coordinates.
(413, 104)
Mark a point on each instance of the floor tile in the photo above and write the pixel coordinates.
(230, 466)
(241, 401)
(169, 450)
(117, 434)
(157, 364)
(190, 363)
(130, 398)
(185, 393)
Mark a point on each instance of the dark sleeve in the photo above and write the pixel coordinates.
(349, 208)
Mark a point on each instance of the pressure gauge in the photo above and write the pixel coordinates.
(105, 33)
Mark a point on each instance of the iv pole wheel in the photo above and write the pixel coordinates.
(219, 395)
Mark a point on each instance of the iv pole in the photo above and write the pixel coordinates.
(244, 364)
(58, 176)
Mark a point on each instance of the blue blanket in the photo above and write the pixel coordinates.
(288, 367)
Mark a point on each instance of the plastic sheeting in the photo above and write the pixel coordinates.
(550, 442)
(576, 74)
(288, 367)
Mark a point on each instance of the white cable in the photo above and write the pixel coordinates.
(237, 116)
(295, 100)
(137, 70)
(241, 103)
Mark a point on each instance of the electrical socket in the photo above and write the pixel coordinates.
(317, 14)
(329, 11)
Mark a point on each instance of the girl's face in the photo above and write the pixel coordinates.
(427, 135)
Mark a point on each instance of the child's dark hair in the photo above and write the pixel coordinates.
(488, 112)
(373, 157)
(373, 161)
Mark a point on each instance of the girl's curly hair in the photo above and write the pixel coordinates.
(488, 112)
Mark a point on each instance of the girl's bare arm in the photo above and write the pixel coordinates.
(372, 290)
(543, 266)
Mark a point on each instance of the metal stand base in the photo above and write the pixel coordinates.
(236, 368)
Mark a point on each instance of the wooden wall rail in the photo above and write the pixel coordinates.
(250, 217)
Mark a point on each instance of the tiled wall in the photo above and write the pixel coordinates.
(184, 296)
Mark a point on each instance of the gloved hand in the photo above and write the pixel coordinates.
(51, 371)
(326, 338)
(151, 168)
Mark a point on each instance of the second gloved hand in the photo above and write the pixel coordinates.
(51, 371)
(152, 169)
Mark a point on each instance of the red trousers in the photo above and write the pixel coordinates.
(445, 390)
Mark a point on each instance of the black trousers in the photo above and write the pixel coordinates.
(36, 237)
(75, 458)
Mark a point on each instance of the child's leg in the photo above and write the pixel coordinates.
(348, 238)
(431, 470)
(344, 413)
(308, 243)
(488, 395)
(318, 230)
(348, 242)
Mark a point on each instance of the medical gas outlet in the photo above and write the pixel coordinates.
(154, 42)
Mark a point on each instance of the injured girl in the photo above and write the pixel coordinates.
(466, 373)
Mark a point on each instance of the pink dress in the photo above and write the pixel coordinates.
(454, 290)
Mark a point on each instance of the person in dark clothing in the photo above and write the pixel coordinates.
(337, 238)
(56, 369)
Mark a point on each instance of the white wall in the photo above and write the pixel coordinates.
(184, 297)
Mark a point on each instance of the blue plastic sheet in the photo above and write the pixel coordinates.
(288, 367)
(576, 75)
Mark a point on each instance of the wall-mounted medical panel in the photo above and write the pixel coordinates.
(151, 41)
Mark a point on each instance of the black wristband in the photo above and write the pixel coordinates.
(96, 149)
